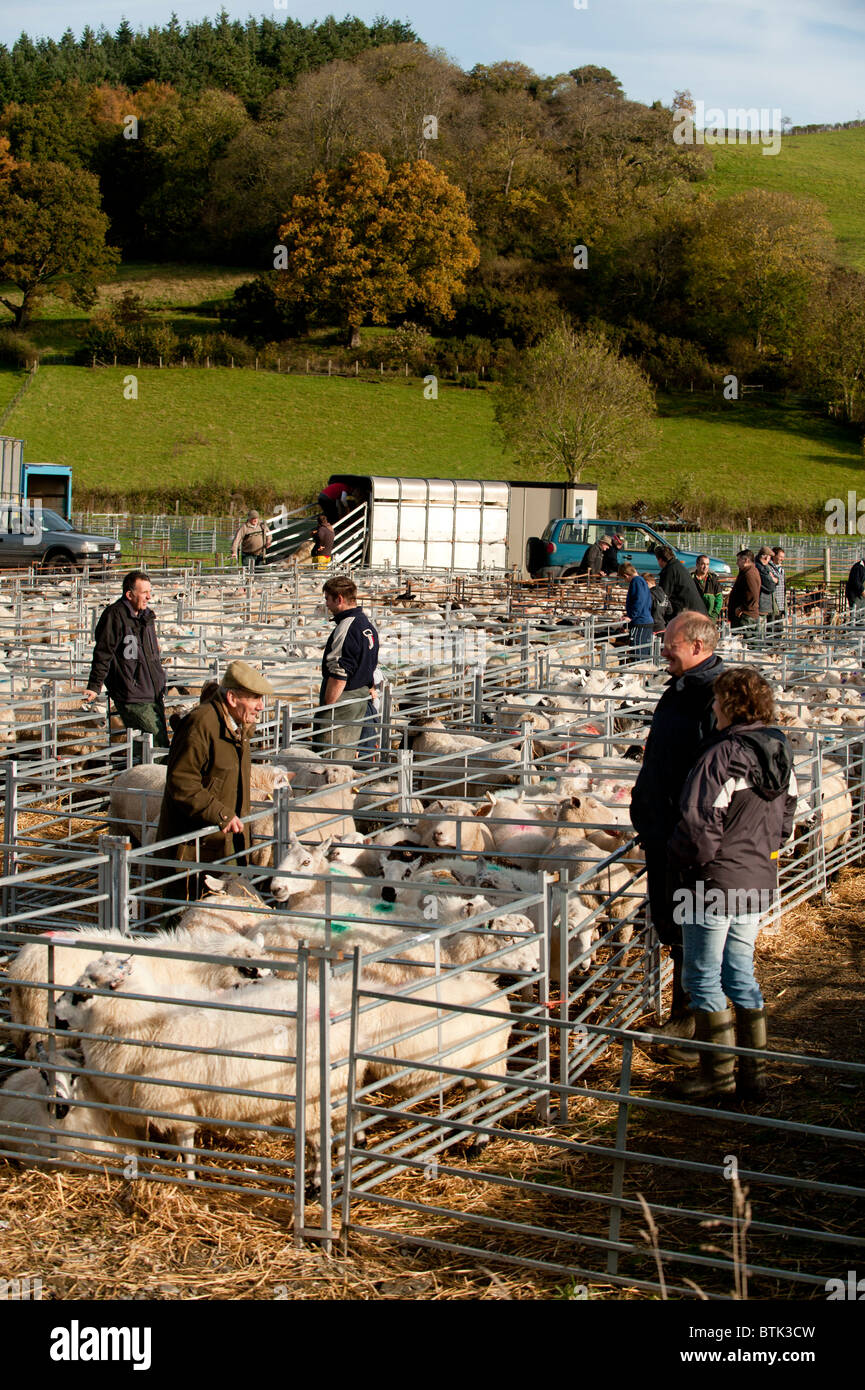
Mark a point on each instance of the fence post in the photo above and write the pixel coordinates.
(324, 1115)
(478, 696)
(386, 716)
(300, 1096)
(285, 727)
(49, 731)
(281, 824)
(10, 833)
(114, 884)
(405, 759)
(621, 1145)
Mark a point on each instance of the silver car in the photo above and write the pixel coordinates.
(32, 534)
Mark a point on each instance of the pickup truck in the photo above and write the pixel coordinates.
(558, 552)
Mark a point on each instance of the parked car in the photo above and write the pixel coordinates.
(31, 534)
(558, 552)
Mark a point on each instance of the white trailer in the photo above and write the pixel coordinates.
(452, 523)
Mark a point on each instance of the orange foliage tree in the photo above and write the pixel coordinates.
(366, 242)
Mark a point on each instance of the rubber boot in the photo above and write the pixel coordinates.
(751, 1032)
(717, 1069)
(680, 1024)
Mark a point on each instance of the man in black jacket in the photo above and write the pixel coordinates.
(855, 590)
(683, 718)
(126, 660)
(677, 584)
(348, 667)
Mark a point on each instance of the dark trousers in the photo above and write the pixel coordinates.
(640, 639)
(148, 716)
(661, 884)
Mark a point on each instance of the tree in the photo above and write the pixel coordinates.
(52, 237)
(366, 242)
(833, 345)
(572, 402)
(757, 260)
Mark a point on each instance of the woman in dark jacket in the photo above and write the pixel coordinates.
(737, 810)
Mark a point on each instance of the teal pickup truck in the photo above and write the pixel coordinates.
(557, 554)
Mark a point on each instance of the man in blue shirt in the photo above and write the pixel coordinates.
(347, 671)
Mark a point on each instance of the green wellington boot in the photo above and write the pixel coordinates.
(751, 1080)
(717, 1069)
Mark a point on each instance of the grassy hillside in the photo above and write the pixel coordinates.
(223, 431)
(829, 165)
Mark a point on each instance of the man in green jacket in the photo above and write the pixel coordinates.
(207, 782)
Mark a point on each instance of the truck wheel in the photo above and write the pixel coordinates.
(58, 562)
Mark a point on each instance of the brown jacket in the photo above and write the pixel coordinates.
(744, 600)
(207, 782)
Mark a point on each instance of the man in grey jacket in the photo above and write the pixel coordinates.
(253, 539)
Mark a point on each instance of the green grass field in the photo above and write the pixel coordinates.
(829, 165)
(241, 431)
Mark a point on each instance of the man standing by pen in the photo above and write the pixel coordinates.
(347, 671)
(126, 660)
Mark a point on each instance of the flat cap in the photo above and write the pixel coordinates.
(608, 539)
(239, 675)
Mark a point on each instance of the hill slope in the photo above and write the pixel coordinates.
(258, 434)
(829, 165)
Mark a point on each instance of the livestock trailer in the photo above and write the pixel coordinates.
(456, 523)
(48, 483)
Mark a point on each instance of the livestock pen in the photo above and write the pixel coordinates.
(555, 1087)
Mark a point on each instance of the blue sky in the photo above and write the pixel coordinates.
(805, 58)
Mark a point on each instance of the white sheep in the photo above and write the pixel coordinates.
(205, 1048)
(28, 1006)
(82, 1130)
(441, 828)
(136, 797)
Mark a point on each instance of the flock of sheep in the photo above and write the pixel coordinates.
(431, 864)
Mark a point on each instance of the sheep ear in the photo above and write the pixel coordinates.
(212, 882)
(483, 811)
(123, 968)
(576, 802)
(258, 939)
(327, 845)
(281, 777)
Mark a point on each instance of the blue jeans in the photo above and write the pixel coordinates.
(719, 961)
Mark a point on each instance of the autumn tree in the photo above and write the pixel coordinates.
(755, 263)
(572, 402)
(832, 348)
(52, 237)
(366, 242)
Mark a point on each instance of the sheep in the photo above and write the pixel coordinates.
(214, 1048)
(377, 800)
(134, 801)
(324, 811)
(474, 760)
(28, 1006)
(230, 904)
(81, 1130)
(521, 840)
(439, 830)
(292, 883)
(136, 797)
(407, 1032)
